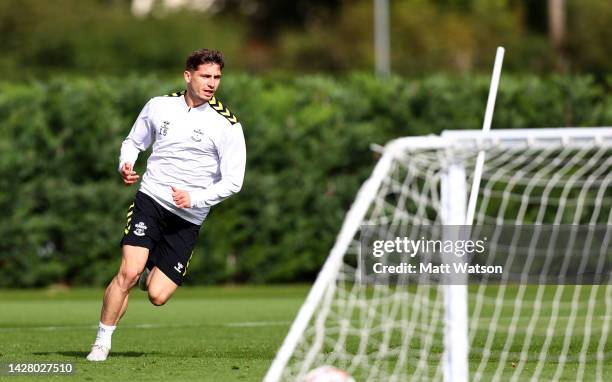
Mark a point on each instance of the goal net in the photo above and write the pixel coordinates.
(544, 209)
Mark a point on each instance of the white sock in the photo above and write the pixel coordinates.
(105, 333)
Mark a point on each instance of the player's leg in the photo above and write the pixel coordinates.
(161, 287)
(124, 307)
(115, 300)
(136, 244)
(169, 272)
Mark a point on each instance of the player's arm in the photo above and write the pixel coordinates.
(232, 157)
(139, 139)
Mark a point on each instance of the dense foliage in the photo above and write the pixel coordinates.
(63, 204)
(40, 38)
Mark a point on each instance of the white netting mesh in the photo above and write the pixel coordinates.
(517, 331)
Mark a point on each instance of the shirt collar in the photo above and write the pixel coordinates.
(188, 108)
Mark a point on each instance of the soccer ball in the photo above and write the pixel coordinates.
(328, 374)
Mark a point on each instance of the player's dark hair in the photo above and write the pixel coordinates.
(204, 56)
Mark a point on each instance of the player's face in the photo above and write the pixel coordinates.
(203, 82)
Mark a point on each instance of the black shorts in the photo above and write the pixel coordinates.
(169, 238)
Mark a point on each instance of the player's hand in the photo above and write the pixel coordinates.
(181, 198)
(128, 174)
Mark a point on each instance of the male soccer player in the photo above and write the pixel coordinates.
(198, 159)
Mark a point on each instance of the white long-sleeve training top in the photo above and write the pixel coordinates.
(200, 150)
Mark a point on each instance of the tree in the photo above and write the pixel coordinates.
(556, 28)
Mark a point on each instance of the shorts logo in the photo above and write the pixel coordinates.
(140, 229)
(179, 267)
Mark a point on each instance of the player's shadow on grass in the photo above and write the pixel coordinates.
(83, 354)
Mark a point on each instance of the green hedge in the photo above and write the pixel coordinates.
(63, 204)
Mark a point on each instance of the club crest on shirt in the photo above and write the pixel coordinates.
(163, 130)
(197, 135)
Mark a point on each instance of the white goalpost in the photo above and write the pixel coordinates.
(513, 331)
(454, 191)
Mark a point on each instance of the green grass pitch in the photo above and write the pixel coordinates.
(202, 334)
(232, 333)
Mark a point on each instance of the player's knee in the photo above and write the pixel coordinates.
(158, 298)
(127, 278)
